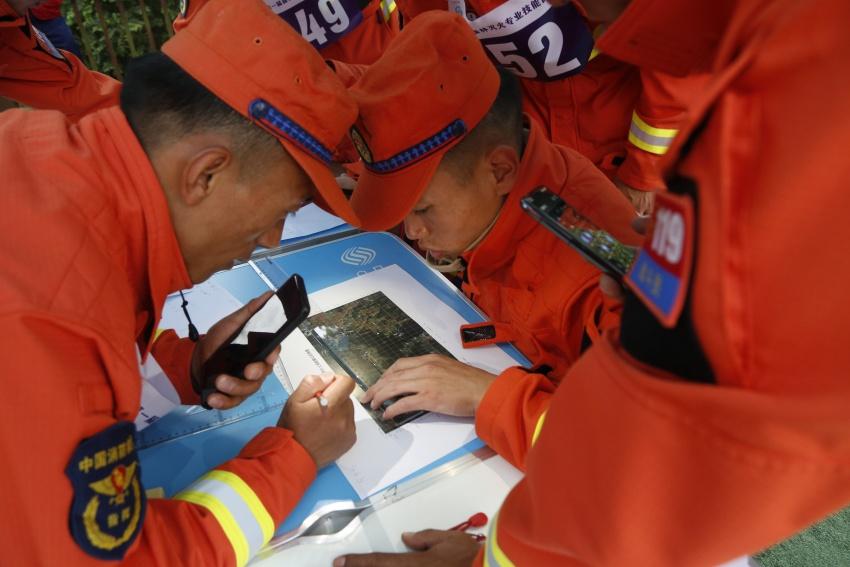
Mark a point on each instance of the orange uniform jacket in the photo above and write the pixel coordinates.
(543, 296)
(620, 116)
(34, 73)
(89, 255)
(638, 465)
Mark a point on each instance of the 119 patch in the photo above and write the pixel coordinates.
(109, 504)
(660, 275)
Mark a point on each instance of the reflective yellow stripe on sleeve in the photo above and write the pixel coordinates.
(225, 518)
(649, 138)
(387, 9)
(538, 428)
(493, 554)
(240, 513)
(250, 498)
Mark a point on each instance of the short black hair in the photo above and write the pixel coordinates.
(162, 103)
(502, 125)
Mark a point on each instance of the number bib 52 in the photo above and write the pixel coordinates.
(533, 40)
(660, 275)
(321, 22)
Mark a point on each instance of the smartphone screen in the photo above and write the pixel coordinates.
(597, 246)
(260, 335)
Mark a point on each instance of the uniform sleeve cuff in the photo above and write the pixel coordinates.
(487, 414)
(174, 356)
(640, 170)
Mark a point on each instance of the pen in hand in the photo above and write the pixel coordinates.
(320, 395)
(323, 401)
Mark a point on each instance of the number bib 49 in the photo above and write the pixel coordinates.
(661, 273)
(533, 40)
(321, 22)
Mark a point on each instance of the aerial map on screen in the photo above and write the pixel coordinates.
(364, 338)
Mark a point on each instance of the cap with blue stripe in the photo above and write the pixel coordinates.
(266, 114)
(418, 152)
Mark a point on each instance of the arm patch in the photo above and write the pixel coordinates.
(108, 507)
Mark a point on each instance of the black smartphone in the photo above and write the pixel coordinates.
(597, 246)
(259, 336)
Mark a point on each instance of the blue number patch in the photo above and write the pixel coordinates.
(321, 22)
(109, 504)
(534, 40)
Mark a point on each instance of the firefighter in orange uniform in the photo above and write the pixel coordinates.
(37, 74)
(715, 423)
(620, 116)
(454, 175)
(206, 155)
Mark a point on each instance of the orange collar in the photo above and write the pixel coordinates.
(154, 263)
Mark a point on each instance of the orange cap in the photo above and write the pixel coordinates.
(432, 85)
(257, 64)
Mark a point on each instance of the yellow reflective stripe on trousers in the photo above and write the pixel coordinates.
(493, 554)
(649, 138)
(538, 428)
(387, 9)
(240, 513)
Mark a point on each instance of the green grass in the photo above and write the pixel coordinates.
(825, 544)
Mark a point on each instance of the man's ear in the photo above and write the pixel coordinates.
(503, 162)
(200, 171)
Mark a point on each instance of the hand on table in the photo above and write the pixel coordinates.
(434, 382)
(436, 548)
(325, 432)
(232, 390)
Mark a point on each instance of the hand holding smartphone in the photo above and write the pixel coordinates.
(594, 244)
(258, 337)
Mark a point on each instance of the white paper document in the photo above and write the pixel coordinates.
(309, 220)
(268, 319)
(158, 394)
(380, 459)
(208, 303)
